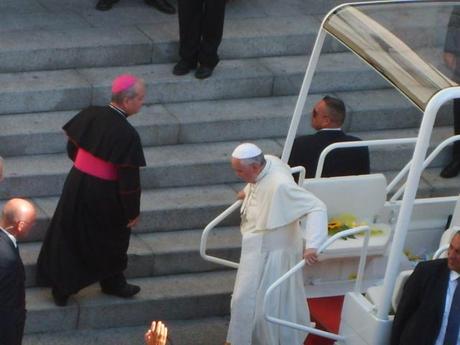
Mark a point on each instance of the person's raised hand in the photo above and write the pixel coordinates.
(156, 334)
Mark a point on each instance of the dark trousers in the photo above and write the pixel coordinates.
(11, 326)
(456, 149)
(201, 25)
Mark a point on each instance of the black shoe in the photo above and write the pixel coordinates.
(182, 68)
(105, 5)
(451, 170)
(126, 291)
(59, 299)
(162, 6)
(203, 72)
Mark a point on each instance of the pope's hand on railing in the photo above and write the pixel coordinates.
(310, 256)
(241, 195)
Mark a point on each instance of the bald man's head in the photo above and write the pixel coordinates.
(18, 216)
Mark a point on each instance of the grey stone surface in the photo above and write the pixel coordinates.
(231, 79)
(166, 298)
(44, 316)
(170, 297)
(13, 20)
(370, 110)
(164, 209)
(41, 133)
(184, 208)
(439, 186)
(43, 91)
(167, 166)
(156, 254)
(245, 119)
(209, 331)
(343, 70)
(72, 48)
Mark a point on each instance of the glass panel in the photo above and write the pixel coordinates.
(414, 45)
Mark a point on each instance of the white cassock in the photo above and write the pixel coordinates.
(272, 244)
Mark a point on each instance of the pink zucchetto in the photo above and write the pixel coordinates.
(123, 82)
(246, 150)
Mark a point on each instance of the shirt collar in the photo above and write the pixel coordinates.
(264, 171)
(118, 110)
(454, 275)
(12, 238)
(330, 129)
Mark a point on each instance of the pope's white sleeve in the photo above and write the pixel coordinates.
(314, 228)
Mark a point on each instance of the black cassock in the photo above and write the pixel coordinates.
(87, 238)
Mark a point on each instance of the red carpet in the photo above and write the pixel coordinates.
(325, 312)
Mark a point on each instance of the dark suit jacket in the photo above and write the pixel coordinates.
(419, 315)
(340, 162)
(12, 293)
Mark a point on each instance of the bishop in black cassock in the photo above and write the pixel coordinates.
(88, 236)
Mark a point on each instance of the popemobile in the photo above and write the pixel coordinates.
(378, 230)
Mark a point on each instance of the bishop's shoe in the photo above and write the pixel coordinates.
(59, 299)
(162, 6)
(126, 291)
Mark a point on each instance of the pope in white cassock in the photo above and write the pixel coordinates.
(276, 216)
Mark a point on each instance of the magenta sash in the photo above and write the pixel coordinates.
(94, 166)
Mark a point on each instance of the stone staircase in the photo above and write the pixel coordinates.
(57, 57)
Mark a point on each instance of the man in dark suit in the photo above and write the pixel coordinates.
(201, 26)
(17, 218)
(429, 310)
(327, 118)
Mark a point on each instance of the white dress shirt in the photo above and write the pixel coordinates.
(10, 236)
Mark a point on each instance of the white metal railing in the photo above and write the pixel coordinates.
(386, 142)
(345, 144)
(204, 237)
(216, 221)
(440, 250)
(427, 162)
(301, 264)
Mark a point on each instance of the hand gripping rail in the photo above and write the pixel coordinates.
(324, 246)
(225, 214)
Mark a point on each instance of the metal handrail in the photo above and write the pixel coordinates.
(345, 144)
(212, 225)
(325, 245)
(225, 214)
(440, 250)
(427, 162)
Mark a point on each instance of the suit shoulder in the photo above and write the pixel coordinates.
(431, 266)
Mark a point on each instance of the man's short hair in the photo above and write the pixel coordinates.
(128, 93)
(336, 109)
(259, 160)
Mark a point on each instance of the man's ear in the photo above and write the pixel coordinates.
(20, 226)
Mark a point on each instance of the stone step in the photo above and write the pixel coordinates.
(274, 76)
(209, 331)
(150, 43)
(190, 164)
(165, 209)
(177, 297)
(218, 120)
(167, 166)
(160, 253)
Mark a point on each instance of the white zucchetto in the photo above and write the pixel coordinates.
(246, 150)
